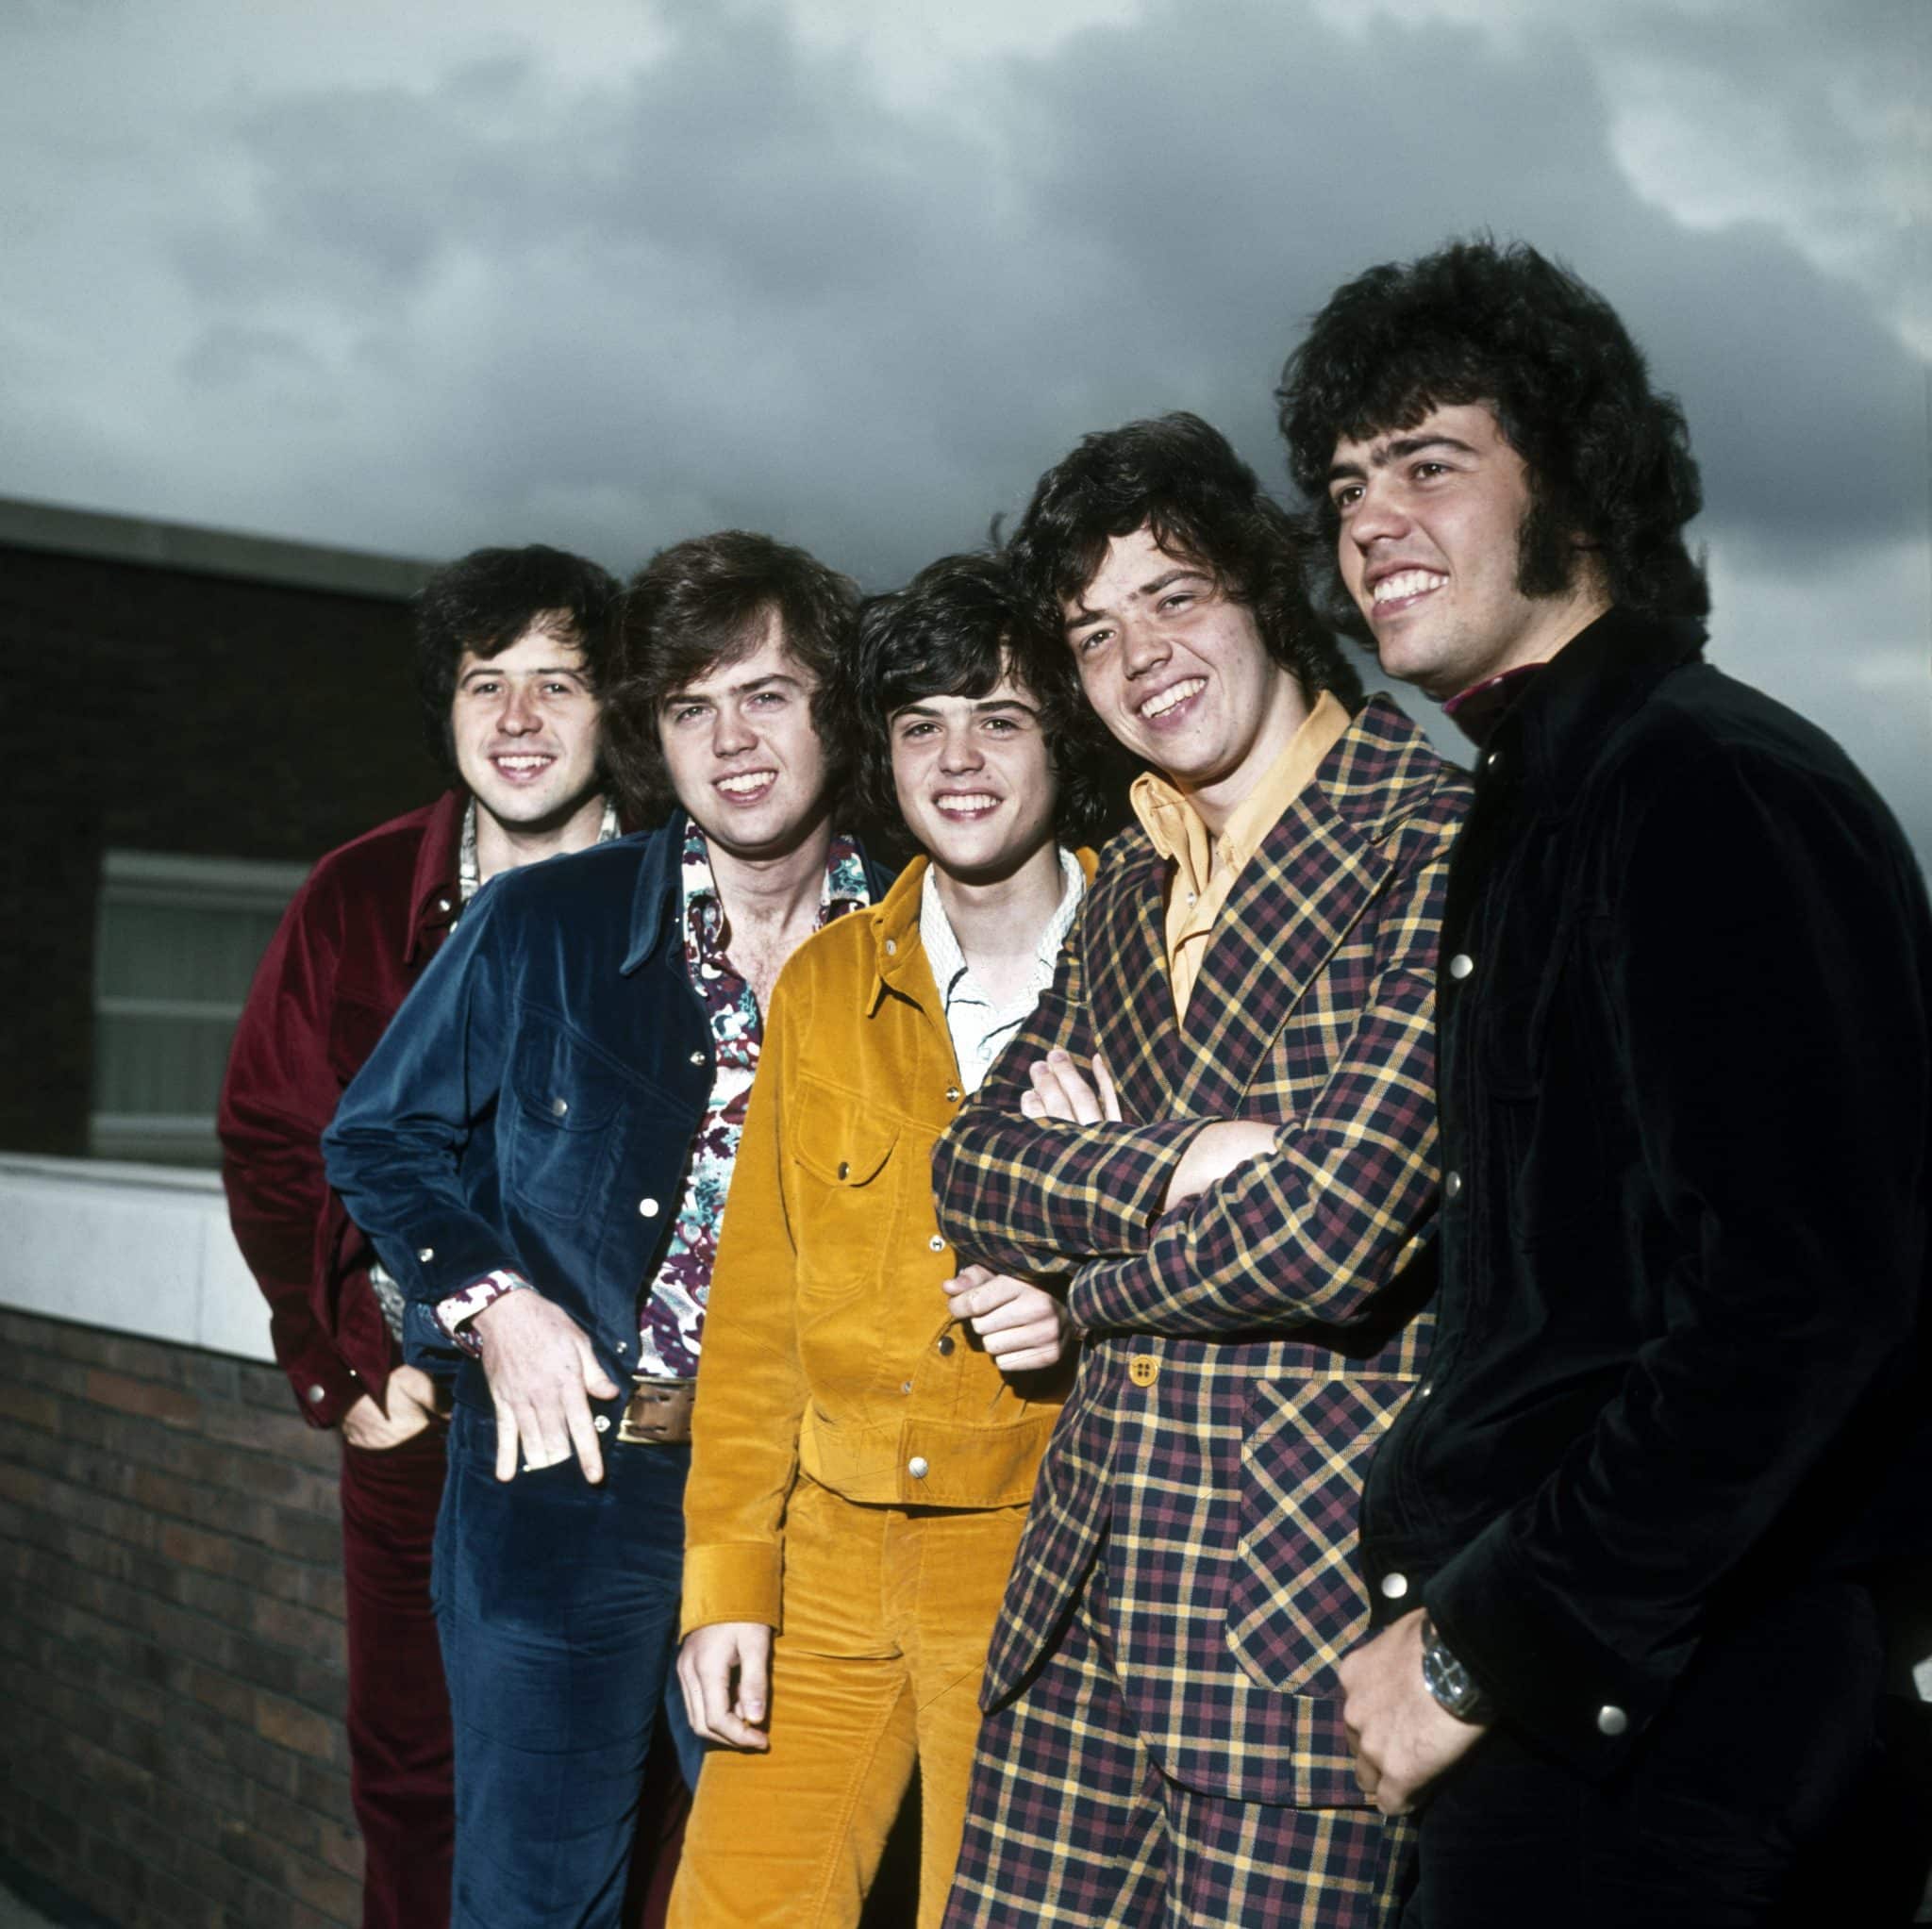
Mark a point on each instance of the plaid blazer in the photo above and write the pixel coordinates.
(1245, 1353)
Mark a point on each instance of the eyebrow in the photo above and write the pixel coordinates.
(751, 688)
(1082, 617)
(496, 669)
(986, 706)
(1402, 447)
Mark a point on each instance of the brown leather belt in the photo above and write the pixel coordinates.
(658, 1414)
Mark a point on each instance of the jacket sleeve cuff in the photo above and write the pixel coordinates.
(324, 1387)
(1549, 1675)
(732, 1583)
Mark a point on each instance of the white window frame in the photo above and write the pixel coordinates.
(167, 881)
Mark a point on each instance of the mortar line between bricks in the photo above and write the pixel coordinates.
(189, 1742)
(252, 1882)
(188, 1701)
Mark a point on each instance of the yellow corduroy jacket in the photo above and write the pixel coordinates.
(828, 1349)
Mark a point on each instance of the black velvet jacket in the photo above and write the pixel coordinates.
(1685, 1025)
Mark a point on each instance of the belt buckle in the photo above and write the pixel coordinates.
(657, 1413)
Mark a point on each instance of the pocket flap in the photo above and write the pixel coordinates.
(839, 1142)
(559, 1080)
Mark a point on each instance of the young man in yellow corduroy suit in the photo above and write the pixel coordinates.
(871, 1416)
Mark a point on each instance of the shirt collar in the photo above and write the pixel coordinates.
(1175, 826)
(844, 889)
(469, 873)
(953, 975)
(432, 887)
(1479, 708)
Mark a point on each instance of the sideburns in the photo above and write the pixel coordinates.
(1546, 555)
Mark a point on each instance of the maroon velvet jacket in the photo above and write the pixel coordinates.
(351, 945)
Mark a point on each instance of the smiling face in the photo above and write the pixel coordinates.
(1177, 670)
(1430, 546)
(526, 727)
(974, 780)
(742, 751)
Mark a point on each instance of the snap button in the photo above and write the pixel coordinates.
(1452, 1186)
(697, 1057)
(317, 1395)
(1461, 965)
(1394, 1587)
(442, 904)
(844, 1169)
(937, 1243)
(559, 1106)
(425, 1253)
(624, 1346)
(647, 1208)
(1612, 1719)
(600, 1421)
(1427, 1388)
(945, 1344)
(1144, 1369)
(952, 1094)
(891, 947)
(905, 1386)
(916, 1467)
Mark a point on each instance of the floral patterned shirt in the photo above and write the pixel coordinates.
(671, 1320)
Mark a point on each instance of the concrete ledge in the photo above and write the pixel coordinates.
(133, 1248)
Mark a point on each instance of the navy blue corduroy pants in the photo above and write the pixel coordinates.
(557, 1603)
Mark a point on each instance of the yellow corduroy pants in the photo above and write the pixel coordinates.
(887, 1613)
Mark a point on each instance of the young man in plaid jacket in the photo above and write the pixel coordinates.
(1219, 1130)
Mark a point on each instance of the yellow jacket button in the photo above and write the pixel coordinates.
(1144, 1369)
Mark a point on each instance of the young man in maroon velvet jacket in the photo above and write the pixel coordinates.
(514, 647)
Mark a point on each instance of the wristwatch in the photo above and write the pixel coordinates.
(1445, 1677)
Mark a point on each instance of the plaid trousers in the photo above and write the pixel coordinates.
(1070, 1822)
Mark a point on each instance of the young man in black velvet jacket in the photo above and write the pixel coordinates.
(1624, 1541)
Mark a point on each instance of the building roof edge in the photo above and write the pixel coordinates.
(201, 551)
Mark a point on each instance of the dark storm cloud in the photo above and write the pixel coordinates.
(741, 286)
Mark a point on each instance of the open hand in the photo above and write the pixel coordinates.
(542, 1375)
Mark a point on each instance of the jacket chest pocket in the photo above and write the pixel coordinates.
(1297, 1604)
(847, 1185)
(567, 1112)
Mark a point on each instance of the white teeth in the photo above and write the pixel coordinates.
(522, 763)
(742, 786)
(973, 801)
(1407, 583)
(1175, 694)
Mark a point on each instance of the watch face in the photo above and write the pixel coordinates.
(1447, 1679)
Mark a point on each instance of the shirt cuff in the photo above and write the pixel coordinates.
(455, 1313)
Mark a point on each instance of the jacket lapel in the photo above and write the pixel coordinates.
(1128, 991)
(1297, 899)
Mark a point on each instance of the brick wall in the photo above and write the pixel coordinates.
(171, 1635)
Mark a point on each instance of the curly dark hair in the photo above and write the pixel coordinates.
(703, 603)
(1182, 480)
(485, 601)
(959, 625)
(1609, 457)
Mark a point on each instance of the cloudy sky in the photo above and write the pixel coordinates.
(413, 278)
